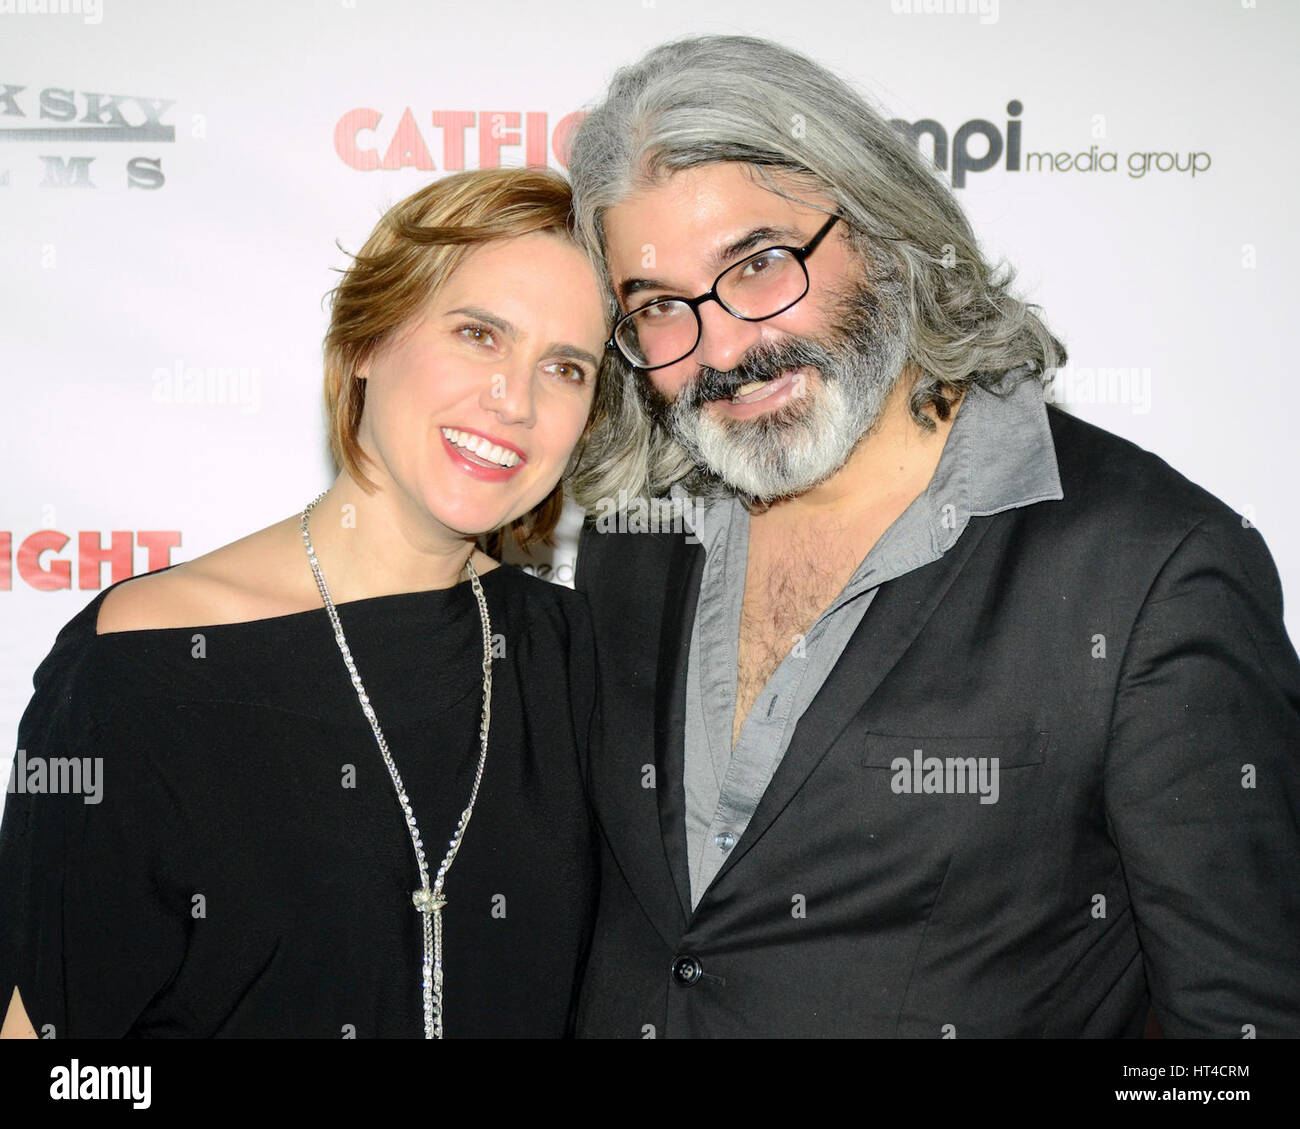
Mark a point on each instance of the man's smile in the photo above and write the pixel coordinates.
(760, 397)
(757, 390)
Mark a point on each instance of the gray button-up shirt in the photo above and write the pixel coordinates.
(998, 455)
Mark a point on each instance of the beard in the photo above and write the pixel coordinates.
(791, 449)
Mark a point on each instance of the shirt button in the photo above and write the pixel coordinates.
(725, 840)
(687, 970)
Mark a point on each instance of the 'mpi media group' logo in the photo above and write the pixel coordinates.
(979, 145)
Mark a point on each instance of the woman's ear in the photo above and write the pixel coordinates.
(361, 370)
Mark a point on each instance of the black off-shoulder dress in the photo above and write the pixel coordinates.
(245, 870)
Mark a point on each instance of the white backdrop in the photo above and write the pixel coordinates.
(173, 177)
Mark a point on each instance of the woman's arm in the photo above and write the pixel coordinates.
(87, 934)
(16, 1024)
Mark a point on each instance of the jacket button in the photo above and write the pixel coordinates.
(687, 970)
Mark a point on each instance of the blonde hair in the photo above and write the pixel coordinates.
(414, 249)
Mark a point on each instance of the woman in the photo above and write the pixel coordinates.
(315, 738)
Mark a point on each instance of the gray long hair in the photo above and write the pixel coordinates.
(715, 98)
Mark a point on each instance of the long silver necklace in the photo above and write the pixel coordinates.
(428, 899)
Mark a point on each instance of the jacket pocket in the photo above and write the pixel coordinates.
(1010, 750)
(955, 789)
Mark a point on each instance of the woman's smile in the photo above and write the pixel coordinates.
(478, 455)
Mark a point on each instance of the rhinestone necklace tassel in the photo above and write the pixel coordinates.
(429, 900)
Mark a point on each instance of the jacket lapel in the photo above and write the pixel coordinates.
(898, 612)
(638, 597)
(681, 594)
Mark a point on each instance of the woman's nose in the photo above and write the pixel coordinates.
(509, 394)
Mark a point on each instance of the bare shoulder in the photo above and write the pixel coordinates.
(252, 578)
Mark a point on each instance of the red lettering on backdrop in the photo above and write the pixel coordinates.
(562, 139)
(535, 140)
(59, 574)
(91, 554)
(495, 129)
(407, 149)
(160, 543)
(453, 124)
(345, 139)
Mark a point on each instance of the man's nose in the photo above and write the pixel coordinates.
(724, 339)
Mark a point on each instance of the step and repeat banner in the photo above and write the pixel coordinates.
(177, 180)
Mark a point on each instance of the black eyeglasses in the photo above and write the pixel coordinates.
(759, 287)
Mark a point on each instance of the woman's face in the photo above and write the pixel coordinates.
(473, 409)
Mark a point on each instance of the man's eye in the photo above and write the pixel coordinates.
(757, 265)
(663, 309)
(479, 334)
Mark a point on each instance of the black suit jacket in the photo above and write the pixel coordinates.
(1121, 652)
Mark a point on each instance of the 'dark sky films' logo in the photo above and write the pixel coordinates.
(57, 127)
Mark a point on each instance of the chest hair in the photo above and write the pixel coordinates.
(787, 586)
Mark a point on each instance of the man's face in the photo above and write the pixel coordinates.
(771, 407)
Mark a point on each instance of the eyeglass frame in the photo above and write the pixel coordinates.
(800, 254)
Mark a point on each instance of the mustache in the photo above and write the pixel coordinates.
(763, 363)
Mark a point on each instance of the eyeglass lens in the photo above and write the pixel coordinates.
(753, 289)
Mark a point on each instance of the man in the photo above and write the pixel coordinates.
(946, 714)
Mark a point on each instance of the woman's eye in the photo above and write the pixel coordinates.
(479, 334)
(573, 373)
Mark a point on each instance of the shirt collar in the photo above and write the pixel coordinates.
(998, 456)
